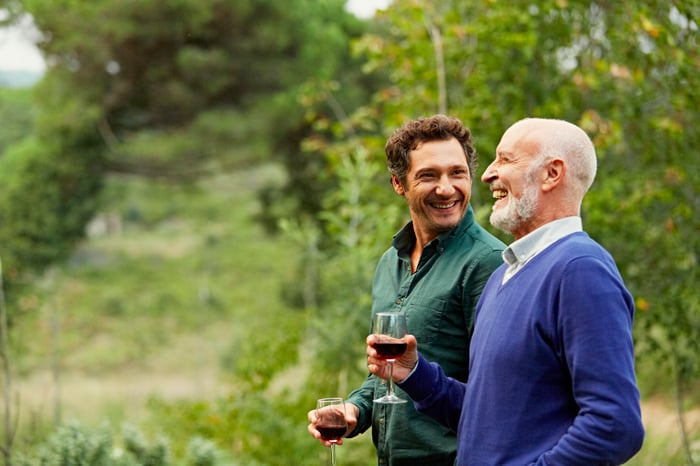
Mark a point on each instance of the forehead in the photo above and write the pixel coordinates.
(438, 152)
(518, 142)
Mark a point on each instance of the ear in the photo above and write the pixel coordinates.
(554, 174)
(398, 187)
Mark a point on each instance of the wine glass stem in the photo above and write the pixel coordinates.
(333, 454)
(391, 379)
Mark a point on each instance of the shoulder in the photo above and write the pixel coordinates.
(391, 255)
(586, 266)
(579, 247)
(478, 251)
(484, 247)
(471, 231)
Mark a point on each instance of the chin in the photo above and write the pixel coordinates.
(503, 221)
(447, 225)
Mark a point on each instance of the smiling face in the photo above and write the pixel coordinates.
(514, 181)
(542, 170)
(437, 188)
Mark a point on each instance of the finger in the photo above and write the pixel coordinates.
(312, 430)
(311, 415)
(374, 369)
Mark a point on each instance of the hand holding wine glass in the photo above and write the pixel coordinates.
(388, 329)
(402, 366)
(330, 422)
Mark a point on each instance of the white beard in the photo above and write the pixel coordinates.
(517, 211)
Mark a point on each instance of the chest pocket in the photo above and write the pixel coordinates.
(425, 318)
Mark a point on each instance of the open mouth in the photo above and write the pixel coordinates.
(443, 205)
(499, 194)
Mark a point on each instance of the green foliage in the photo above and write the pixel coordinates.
(143, 453)
(73, 444)
(174, 89)
(203, 452)
(259, 428)
(17, 114)
(358, 219)
(40, 220)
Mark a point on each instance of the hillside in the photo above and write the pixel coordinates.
(152, 303)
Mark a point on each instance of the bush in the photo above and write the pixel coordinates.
(75, 445)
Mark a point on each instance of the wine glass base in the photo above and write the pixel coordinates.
(390, 400)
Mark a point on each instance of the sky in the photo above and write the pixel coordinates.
(17, 50)
(366, 8)
(18, 53)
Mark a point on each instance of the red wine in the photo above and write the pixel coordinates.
(390, 350)
(331, 433)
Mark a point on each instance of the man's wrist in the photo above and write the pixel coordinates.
(415, 366)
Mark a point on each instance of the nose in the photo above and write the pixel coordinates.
(489, 174)
(444, 187)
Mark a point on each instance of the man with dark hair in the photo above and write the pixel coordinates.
(434, 273)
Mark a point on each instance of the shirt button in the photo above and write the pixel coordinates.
(381, 420)
(398, 300)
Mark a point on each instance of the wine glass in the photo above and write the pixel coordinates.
(330, 421)
(389, 327)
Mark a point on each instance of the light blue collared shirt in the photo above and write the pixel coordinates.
(518, 253)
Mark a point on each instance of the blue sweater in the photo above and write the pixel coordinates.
(552, 378)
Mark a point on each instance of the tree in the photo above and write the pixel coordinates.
(168, 90)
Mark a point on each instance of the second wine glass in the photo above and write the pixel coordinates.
(389, 327)
(330, 421)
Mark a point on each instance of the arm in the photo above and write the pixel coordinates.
(361, 402)
(595, 325)
(435, 394)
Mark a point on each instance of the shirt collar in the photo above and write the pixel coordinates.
(525, 248)
(406, 237)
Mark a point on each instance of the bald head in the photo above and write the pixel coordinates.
(551, 138)
(542, 170)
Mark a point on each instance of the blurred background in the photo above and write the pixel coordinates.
(193, 198)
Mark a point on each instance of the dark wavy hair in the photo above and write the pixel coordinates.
(420, 130)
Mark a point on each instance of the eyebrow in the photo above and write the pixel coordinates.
(504, 154)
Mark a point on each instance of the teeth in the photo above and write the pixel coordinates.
(444, 206)
(499, 194)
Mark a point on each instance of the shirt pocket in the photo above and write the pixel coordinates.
(424, 317)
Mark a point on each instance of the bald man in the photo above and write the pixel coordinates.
(551, 368)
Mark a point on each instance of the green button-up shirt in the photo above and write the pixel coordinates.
(439, 301)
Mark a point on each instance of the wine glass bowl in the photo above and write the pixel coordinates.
(330, 421)
(389, 349)
(389, 328)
